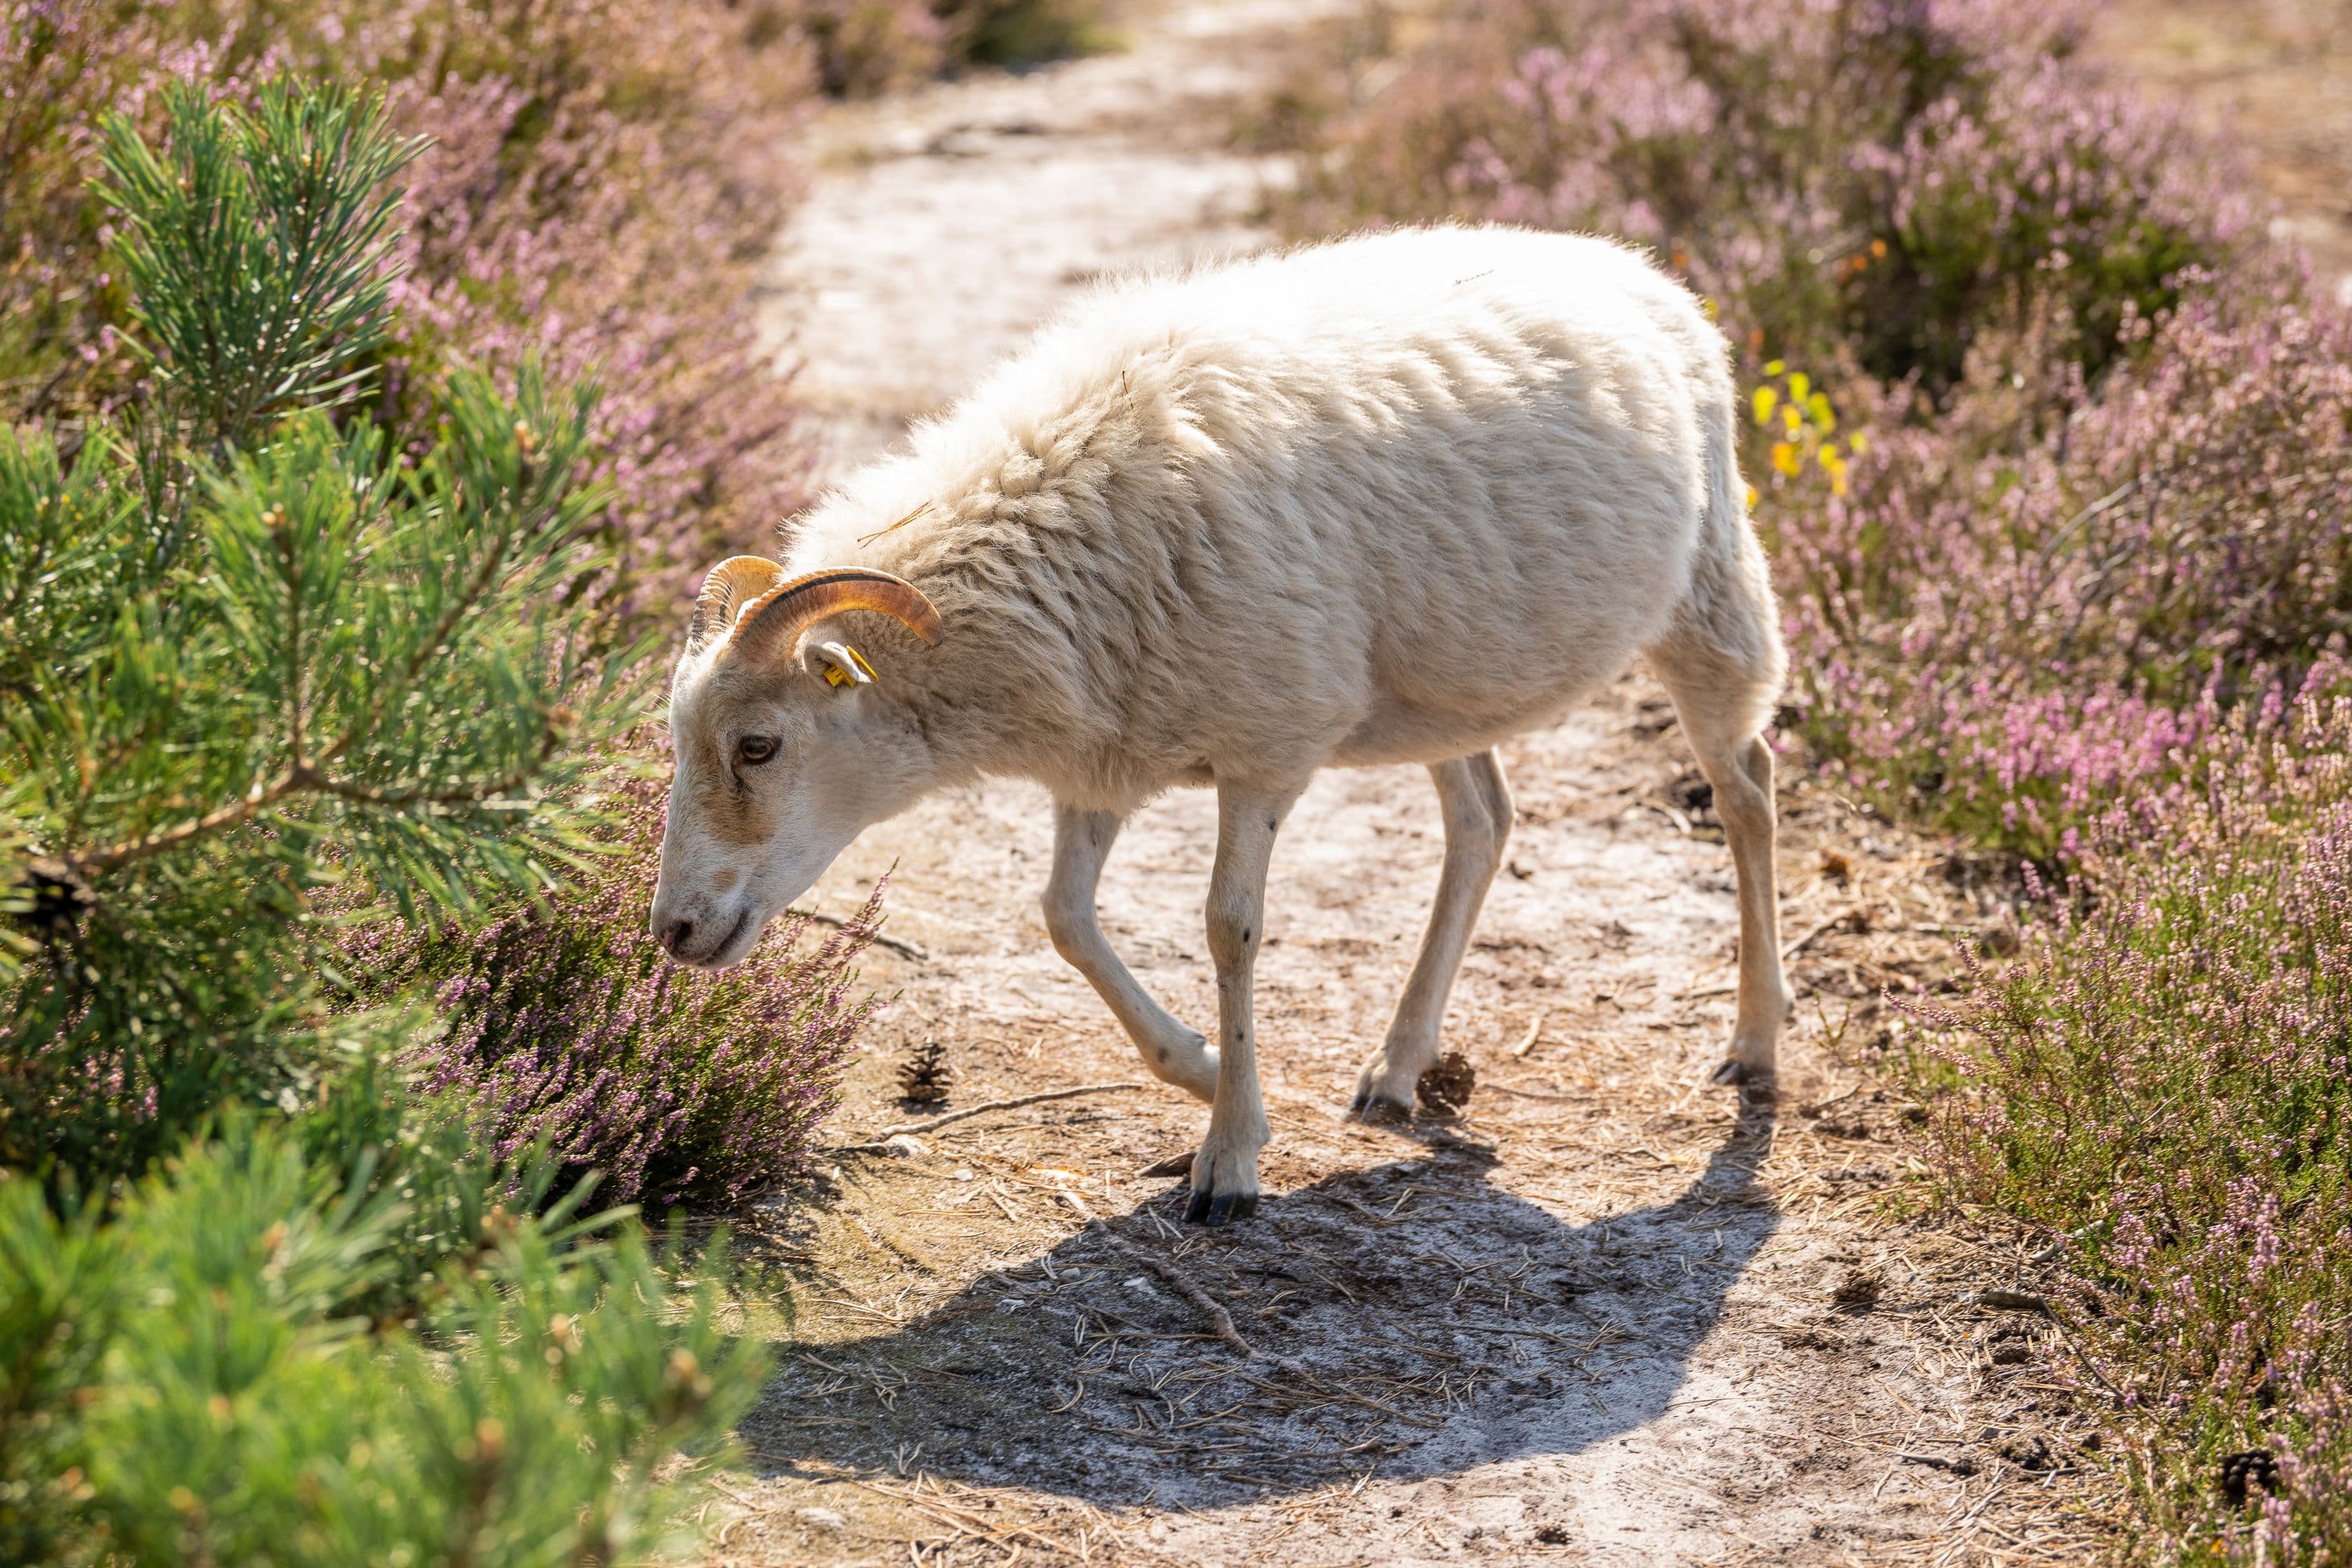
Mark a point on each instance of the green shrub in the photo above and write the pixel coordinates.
(187, 1385)
(1027, 32)
(251, 656)
(264, 682)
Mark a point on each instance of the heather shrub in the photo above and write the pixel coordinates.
(63, 66)
(867, 47)
(1881, 184)
(570, 1031)
(2164, 1083)
(601, 179)
(2039, 603)
(864, 47)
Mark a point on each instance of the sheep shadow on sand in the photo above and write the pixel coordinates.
(1411, 1320)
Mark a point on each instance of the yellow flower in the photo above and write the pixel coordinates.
(1834, 466)
(1776, 368)
(1767, 400)
(1792, 419)
(1799, 385)
(1858, 442)
(1818, 406)
(1785, 457)
(1751, 498)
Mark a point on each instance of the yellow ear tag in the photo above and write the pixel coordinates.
(836, 676)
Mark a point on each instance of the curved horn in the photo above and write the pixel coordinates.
(734, 582)
(771, 624)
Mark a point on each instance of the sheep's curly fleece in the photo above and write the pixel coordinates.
(1392, 499)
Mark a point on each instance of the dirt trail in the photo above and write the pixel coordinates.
(1609, 1315)
(2272, 80)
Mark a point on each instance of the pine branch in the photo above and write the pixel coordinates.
(303, 779)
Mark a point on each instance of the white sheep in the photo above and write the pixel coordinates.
(1391, 500)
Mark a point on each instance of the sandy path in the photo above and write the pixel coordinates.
(1596, 1320)
(2272, 80)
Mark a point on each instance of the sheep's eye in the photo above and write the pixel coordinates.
(753, 750)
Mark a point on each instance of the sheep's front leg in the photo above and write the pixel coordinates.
(1224, 1172)
(1477, 807)
(1082, 841)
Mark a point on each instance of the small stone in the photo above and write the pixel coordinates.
(905, 1146)
(822, 1519)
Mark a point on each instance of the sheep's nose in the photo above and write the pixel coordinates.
(672, 933)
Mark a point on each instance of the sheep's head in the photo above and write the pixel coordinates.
(787, 747)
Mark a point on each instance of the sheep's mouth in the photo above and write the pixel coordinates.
(717, 957)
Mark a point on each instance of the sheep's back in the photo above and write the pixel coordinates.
(1384, 497)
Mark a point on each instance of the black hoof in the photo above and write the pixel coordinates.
(1371, 1107)
(1735, 1071)
(1213, 1209)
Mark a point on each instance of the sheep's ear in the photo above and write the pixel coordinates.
(841, 665)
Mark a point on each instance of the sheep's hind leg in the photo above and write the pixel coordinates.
(1718, 712)
(1476, 804)
(1082, 841)
(1224, 1172)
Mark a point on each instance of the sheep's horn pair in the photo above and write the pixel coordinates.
(762, 613)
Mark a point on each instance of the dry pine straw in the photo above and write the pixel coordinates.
(1017, 1291)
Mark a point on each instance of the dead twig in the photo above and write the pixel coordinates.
(1791, 949)
(1182, 1284)
(903, 949)
(2012, 1300)
(907, 1129)
(1788, 951)
(1535, 1032)
(1682, 824)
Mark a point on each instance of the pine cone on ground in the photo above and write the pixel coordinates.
(924, 1076)
(1445, 1089)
